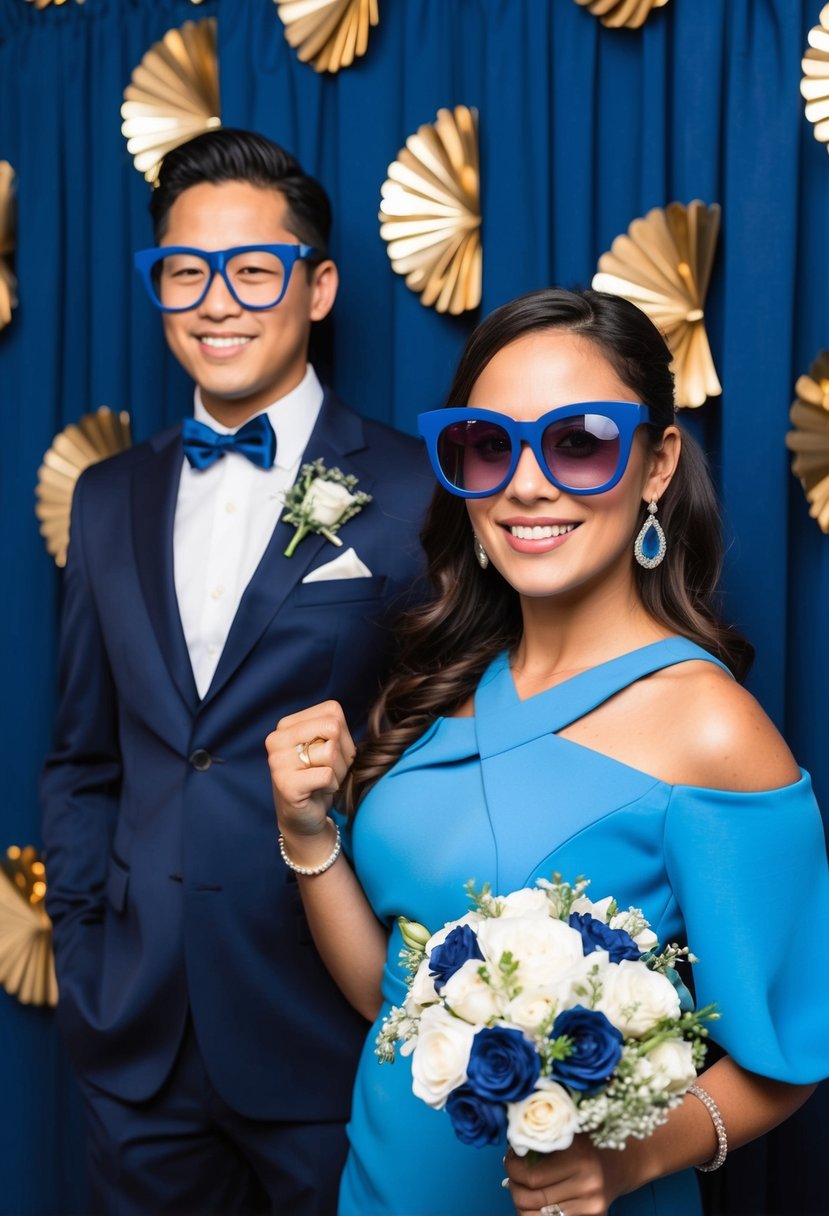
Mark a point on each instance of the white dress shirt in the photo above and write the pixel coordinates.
(225, 516)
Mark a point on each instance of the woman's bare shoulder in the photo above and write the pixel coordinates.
(718, 735)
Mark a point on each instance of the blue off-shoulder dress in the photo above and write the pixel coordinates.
(502, 798)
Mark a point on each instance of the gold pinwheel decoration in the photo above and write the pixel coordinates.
(46, 3)
(663, 265)
(328, 34)
(430, 212)
(810, 438)
(8, 282)
(173, 95)
(618, 13)
(814, 86)
(95, 436)
(27, 967)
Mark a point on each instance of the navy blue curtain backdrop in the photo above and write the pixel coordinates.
(582, 129)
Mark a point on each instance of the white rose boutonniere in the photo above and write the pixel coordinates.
(321, 500)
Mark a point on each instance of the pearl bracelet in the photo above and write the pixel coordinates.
(312, 871)
(719, 1127)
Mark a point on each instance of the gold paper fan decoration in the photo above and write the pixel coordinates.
(8, 282)
(328, 34)
(431, 213)
(617, 13)
(810, 438)
(27, 967)
(173, 95)
(663, 265)
(815, 83)
(76, 447)
(46, 3)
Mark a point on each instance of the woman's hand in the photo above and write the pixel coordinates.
(578, 1181)
(309, 755)
(584, 1181)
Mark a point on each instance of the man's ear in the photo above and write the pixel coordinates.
(324, 286)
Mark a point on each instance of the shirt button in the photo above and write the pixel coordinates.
(201, 760)
(212, 650)
(217, 593)
(230, 507)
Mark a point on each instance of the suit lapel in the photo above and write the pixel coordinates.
(338, 433)
(154, 493)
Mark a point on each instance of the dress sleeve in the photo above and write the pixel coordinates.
(749, 873)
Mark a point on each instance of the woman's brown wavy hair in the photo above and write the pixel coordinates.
(474, 614)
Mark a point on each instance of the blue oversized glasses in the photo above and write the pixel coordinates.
(178, 277)
(581, 448)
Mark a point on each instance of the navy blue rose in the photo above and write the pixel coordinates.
(597, 1047)
(597, 936)
(503, 1066)
(475, 1120)
(456, 949)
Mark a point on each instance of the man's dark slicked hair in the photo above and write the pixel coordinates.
(229, 155)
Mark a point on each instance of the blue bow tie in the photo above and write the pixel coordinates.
(203, 446)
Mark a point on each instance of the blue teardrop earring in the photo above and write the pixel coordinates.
(650, 546)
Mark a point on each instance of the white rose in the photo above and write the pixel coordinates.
(645, 937)
(673, 1065)
(598, 910)
(326, 501)
(440, 1058)
(470, 997)
(517, 903)
(545, 949)
(531, 1008)
(635, 998)
(422, 991)
(545, 1122)
(565, 987)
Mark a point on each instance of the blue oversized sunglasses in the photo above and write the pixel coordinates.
(582, 448)
(178, 277)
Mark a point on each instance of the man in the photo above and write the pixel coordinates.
(215, 1054)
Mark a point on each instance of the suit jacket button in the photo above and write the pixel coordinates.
(201, 760)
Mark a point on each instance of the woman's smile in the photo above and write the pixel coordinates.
(537, 535)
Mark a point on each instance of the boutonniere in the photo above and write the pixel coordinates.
(321, 500)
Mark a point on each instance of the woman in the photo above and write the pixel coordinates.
(565, 703)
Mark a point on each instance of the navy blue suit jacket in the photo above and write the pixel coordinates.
(165, 884)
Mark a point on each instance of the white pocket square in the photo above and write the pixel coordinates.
(347, 565)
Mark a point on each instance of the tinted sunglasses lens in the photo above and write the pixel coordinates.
(582, 452)
(474, 456)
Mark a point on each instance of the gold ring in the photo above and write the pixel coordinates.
(303, 750)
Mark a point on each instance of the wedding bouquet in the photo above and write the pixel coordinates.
(542, 1014)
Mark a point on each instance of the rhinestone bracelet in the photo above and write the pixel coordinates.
(719, 1127)
(312, 871)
